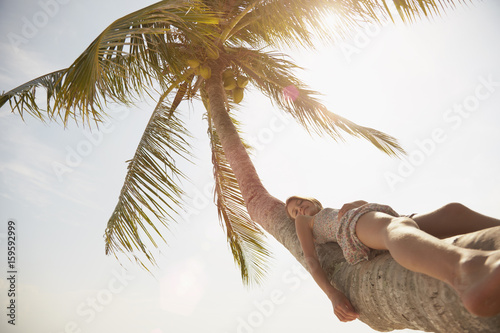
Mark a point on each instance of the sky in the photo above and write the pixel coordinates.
(434, 85)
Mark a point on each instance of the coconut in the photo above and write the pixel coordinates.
(229, 83)
(237, 95)
(205, 72)
(193, 63)
(242, 81)
(227, 73)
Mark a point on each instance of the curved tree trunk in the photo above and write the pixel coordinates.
(386, 295)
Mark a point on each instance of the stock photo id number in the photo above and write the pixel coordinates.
(11, 271)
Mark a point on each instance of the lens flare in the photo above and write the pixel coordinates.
(290, 93)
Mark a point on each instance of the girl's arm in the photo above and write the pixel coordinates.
(341, 305)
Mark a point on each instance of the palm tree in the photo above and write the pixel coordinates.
(210, 50)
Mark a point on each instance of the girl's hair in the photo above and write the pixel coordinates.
(313, 200)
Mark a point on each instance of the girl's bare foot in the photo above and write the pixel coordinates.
(478, 283)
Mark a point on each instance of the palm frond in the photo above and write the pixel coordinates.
(150, 191)
(298, 23)
(410, 10)
(352, 12)
(272, 74)
(245, 237)
(23, 98)
(280, 22)
(125, 61)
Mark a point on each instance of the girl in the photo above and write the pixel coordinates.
(413, 241)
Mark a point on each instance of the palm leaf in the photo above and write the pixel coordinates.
(24, 97)
(299, 23)
(272, 75)
(279, 22)
(410, 10)
(373, 11)
(150, 191)
(245, 238)
(125, 61)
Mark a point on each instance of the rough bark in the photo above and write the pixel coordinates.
(257, 199)
(387, 295)
(392, 297)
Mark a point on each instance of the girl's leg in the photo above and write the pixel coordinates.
(453, 219)
(474, 274)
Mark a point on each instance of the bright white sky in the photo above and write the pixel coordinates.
(405, 81)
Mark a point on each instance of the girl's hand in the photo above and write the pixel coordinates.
(348, 206)
(345, 208)
(343, 308)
